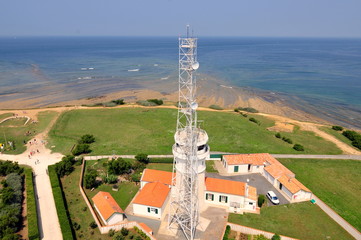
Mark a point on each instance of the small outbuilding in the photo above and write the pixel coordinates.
(107, 208)
(151, 200)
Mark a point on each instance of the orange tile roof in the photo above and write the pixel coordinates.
(146, 228)
(106, 204)
(225, 186)
(276, 169)
(254, 158)
(292, 184)
(151, 175)
(152, 194)
(252, 193)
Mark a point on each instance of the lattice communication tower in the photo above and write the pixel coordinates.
(190, 149)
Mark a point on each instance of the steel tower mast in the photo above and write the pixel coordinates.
(190, 149)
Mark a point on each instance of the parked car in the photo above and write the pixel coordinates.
(273, 198)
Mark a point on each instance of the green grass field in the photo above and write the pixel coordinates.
(336, 182)
(338, 135)
(151, 130)
(18, 132)
(299, 220)
(5, 115)
(168, 167)
(210, 166)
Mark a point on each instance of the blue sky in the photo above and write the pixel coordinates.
(275, 18)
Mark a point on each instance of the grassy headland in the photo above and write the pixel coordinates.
(151, 130)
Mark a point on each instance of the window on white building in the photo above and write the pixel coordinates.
(223, 199)
(153, 210)
(209, 196)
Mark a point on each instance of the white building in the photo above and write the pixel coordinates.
(107, 208)
(277, 174)
(151, 200)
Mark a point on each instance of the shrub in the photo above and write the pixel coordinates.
(236, 110)
(354, 137)
(76, 226)
(156, 101)
(337, 128)
(136, 177)
(287, 140)
(254, 120)
(81, 148)
(261, 200)
(298, 147)
(215, 107)
(32, 217)
(87, 138)
(7, 167)
(146, 103)
(276, 237)
(278, 135)
(119, 102)
(124, 231)
(93, 225)
(111, 178)
(111, 233)
(90, 179)
(142, 157)
(61, 208)
(244, 115)
(247, 109)
(227, 232)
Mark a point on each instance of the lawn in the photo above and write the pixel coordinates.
(336, 182)
(338, 135)
(15, 131)
(210, 166)
(5, 115)
(151, 130)
(168, 167)
(299, 220)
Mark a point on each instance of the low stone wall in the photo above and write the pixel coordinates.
(106, 229)
(253, 231)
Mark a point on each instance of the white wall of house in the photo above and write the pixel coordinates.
(142, 184)
(286, 191)
(269, 177)
(226, 199)
(148, 211)
(250, 204)
(257, 168)
(242, 168)
(115, 218)
(301, 196)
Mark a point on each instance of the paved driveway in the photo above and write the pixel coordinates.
(152, 223)
(255, 180)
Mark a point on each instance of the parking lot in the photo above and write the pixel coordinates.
(255, 180)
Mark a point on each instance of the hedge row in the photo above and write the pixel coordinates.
(32, 215)
(62, 210)
(161, 160)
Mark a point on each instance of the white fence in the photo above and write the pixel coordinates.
(253, 231)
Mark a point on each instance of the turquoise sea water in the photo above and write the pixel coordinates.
(319, 71)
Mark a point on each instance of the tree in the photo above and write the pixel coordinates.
(136, 177)
(87, 138)
(142, 157)
(81, 148)
(7, 195)
(119, 166)
(65, 166)
(90, 179)
(276, 237)
(124, 231)
(119, 102)
(298, 147)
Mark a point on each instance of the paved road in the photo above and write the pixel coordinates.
(352, 157)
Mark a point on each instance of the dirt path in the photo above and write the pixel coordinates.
(313, 127)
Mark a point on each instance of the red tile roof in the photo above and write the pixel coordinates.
(151, 175)
(252, 193)
(146, 228)
(292, 184)
(152, 194)
(225, 186)
(254, 158)
(106, 204)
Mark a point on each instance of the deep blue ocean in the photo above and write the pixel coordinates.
(327, 71)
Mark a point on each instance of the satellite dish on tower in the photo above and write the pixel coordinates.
(194, 105)
(195, 65)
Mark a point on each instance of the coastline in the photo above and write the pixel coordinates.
(210, 91)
